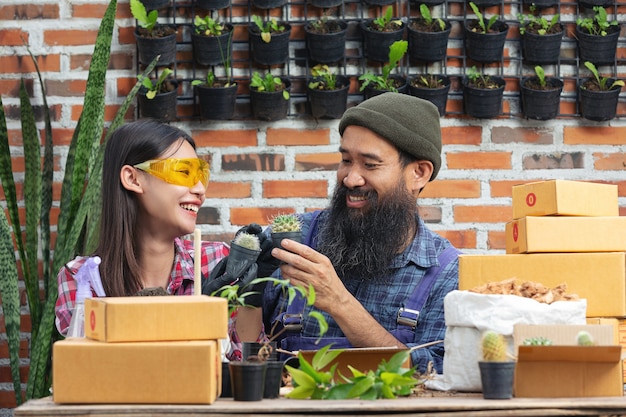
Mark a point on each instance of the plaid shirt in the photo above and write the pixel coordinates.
(383, 299)
(181, 279)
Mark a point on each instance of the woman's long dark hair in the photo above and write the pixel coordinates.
(130, 144)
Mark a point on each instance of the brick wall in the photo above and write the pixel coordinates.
(259, 169)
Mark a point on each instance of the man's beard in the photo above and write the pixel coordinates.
(362, 243)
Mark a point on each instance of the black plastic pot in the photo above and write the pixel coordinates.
(161, 107)
(497, 379)
(278, 237)
(326, 48)
(542, 49)
(590, 4)
(437, 96)
(597, 49)
(269, 53)
(212, 4)
(378, 2)
(483, 103)
(325, 4)
(541, 104)
(149, 48)
(370, 91)
(247, 380)
(329, 104)
(216, 103)
(270, 106)
(268, 4)
(273, 379)
(540, 4)
(486, 3)
(212, 50)
(155, 4)
(428, 46)
(598, 105)
(429, 3)
(485, 47)
(227, 391)
(376, 43)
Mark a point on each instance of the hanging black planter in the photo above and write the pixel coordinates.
(598, 49)
(497, 379)
(485, 47)
(426, 45)
(542, 49)
(379, 2)
(377, 43)
(438, 96)
(268, 4)
(329, 104)
(598, 105)
(325, 4)
(161, 107)
(270, 106)
(274, 52)
(329, 47)
(247, 380)
(216, 103)
(590, 4)
(212, 50)
(155, 4)
(149, 47)
(429, 3)
(483, 103)
(212, 4)
(540, 104)
(486, 3)
(399, 81)
(540, 4)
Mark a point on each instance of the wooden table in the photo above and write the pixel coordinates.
(472, 405)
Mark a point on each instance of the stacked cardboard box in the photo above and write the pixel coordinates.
(143, 350)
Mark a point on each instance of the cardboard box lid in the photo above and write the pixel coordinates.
(564, 334)
(363, 359)
(569, 353)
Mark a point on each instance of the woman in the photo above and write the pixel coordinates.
(153, 185)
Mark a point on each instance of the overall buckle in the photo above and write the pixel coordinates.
(408, 317)
(292, 322)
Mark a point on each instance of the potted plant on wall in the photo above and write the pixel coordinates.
(482, 94)
(379, 34)
(269, 41)
(496, 369)
(210, 40)
(269, 96)
(157, 97)
(326, 40)
(598, 95)
(431, 87)
(597, 37)
(153, 39)
(374, 84)
(212, 4)
(428, 37)
(540, 95)
(484, 39)
(216, 97)
(327, 92)
(541, 38)
(156, 4)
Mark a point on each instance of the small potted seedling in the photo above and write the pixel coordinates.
(496, 368)
(285, 226)
(598, 95)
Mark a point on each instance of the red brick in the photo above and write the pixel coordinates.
(461, 135)
(614, 161)
(66, 88)
(318, 161)
(482, 214)
(501, 134)
(24, 63)
(89, 10)
(246, 215)
(229, 189)
(253, 162)
(286, 189)
(429, 214)
(223, 138)
(13, 37)
(452, 189)
(496, 240)
(297, 137)
(504, 188)
(479, 160)
(69, 37)
(462, 239)
(29, 11)
(584, 135)
(566, 160)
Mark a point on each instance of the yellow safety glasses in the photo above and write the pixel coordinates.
(178, 171)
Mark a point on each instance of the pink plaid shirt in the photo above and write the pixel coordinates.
(181, 279)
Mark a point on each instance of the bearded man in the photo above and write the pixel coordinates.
(380, 276)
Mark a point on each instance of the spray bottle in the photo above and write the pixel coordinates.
(84, 277)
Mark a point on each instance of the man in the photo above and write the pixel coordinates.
(369, 254)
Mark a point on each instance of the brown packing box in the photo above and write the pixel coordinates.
(565, 198)
(363, 359)
(568, 371)
(600, 278)
(159, 318)
(91, 372)
(566, 234)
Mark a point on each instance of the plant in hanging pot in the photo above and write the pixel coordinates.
(327, 92)
(484, 39)
(269, 41)
(540, 95)
(482, 94)
(598, 95)
(326, 40)
(157, 97)
(541, 38)
(374, 84)
(428, 37)
(597, 37)
(153, 38)
(496, 368)
(379, 34)
(268, 4)
(156, 4)
(431, 87)
(212, 4)
(269, 96)
(211, 40)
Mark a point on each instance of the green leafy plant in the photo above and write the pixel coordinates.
(602, 81)
(537, 341)
(584, 338)
(598, 24)
(211, 79)
(384, 82)
(207, 26)
(480, 80)
(325, 79)
(145, 20)
(155, 87)
(268, 83)
(389, 380)
(493, 347)
(485, 27)
(538, 24)
(267, 28)
(428, 81)
(541, 75)
(430, 21)
(78, 215)
(384, 22)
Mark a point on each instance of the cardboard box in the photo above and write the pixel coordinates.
(568, 371)
(565, 198)
(566, 234)
(91, 372)
(600, 278)
(363, 359)
(148, 319)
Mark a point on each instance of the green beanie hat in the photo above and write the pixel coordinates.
(410, 123)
